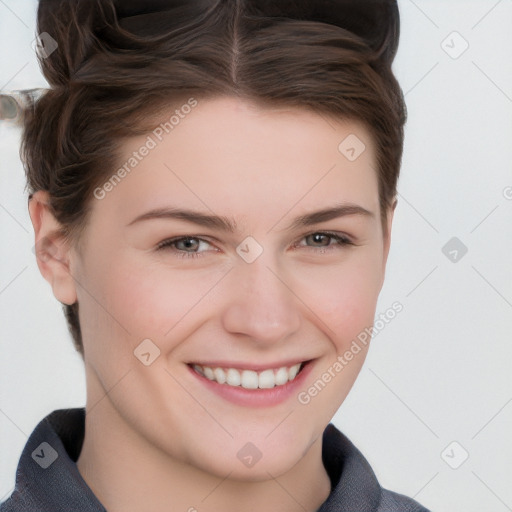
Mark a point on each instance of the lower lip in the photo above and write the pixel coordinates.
(256, 397)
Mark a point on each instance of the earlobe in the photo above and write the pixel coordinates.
(51, 250)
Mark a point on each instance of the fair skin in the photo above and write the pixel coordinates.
(157, 437)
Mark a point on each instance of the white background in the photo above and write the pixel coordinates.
(441, 370)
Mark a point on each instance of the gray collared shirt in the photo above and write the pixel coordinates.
(47, 478)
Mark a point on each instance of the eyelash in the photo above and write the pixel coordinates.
(167, 244)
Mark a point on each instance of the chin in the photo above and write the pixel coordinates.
(258, 460)
(264, 469)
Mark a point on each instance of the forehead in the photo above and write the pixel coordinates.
(241, 159)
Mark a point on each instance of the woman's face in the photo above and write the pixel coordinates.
(257, 288)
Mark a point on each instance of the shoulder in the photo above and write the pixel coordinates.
(18, 501)
(394, 502)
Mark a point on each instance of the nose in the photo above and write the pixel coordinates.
(260, 303)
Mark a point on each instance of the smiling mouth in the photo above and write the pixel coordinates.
(250, 379)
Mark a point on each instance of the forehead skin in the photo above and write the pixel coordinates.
(259, 166)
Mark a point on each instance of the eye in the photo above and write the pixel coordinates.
(324, 239)
(189, 246)
(185, 246)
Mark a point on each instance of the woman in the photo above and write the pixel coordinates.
(212, 187)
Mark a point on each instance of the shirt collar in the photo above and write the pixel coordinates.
(47, 477)
(353, 482)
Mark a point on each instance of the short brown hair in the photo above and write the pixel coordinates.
(120, 62)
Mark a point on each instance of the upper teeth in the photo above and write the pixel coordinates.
(249, 379)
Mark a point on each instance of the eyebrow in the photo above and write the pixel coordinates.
(229, 225)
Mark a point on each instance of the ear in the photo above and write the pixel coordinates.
(52, 252)
(387, 233)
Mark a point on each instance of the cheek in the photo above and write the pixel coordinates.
(154, 300)
(344, 297)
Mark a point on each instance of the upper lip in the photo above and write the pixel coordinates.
(250, 366)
